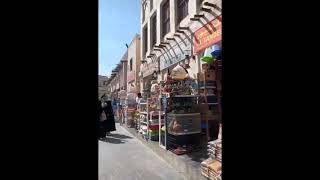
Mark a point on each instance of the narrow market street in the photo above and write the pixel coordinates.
(123, 157)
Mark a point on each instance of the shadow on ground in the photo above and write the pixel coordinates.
(198, 155)
(113, 140)
(120, 136)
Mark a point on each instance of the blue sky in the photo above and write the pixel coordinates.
(119, 21)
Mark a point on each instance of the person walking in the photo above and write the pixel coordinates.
(110, 124)
(102, 118)
(138, 98)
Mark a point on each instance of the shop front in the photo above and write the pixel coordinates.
(207, 48)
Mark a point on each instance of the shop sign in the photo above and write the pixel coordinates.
(175, 54)
(131, 76)
(149, 68)
(206, 38)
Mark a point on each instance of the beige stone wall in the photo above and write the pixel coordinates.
(134, 54)
(102, 88)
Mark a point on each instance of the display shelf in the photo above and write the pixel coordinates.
(144, 117)
(182, 121)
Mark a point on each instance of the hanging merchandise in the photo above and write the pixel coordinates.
(179, 73)
(122, 94)
(207, 57)
(211, 54)
(216, 52)
(155, 88)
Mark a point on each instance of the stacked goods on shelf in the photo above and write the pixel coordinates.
(154, 126)
(211, 167)
(136, 120)
(143, 121)
(215, 149)
(144, 131)
(181, 124)
(215, 170)
(130, 109)
(162, 120)
(183, 118)
(205, 166)
(209, 102)
(153, 101)
(162, 131)
(153, 130)
(184, 132)
(154, 135)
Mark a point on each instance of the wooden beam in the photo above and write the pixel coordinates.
(183, 28)
(179, 31)
(206, 9)
(199, 16)
(194, 19)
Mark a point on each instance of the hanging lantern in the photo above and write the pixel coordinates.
(179, 73)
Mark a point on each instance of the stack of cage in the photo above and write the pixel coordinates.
(215, 149)
(130, 107)
(211, 167)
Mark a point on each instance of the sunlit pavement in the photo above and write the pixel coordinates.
(123, 157)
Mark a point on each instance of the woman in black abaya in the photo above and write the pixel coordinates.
(101, 117)
(109, 124)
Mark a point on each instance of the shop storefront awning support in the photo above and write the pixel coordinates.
(159, 50)
(199, 16)
(179, 36)
(163, 44)
(173, 39)
(166, 43)
(185, 34)
(162, 47)
(211, 12)
(213, 6)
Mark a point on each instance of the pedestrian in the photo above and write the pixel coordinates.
(102, 118)
(109, 124)
(138, 98)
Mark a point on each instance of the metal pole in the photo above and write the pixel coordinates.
(206, 101)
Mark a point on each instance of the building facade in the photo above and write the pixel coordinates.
(125, 76)
(168, 33)
(133, 64)
(118, 78)
(102, 85)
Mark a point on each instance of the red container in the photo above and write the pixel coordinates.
(154, 127)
